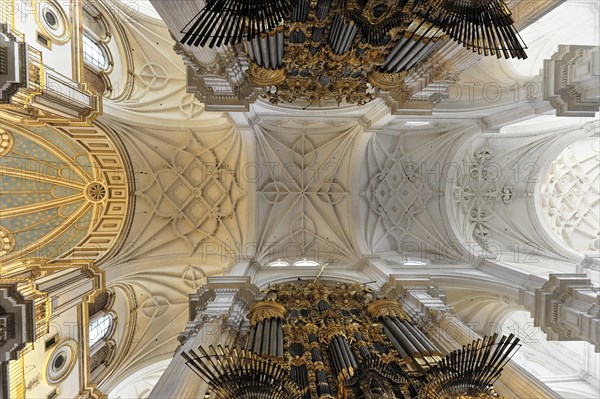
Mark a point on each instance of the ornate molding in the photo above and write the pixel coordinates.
(572, 80)
(568, 308)
(25, 316)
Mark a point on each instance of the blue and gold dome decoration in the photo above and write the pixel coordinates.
(54, 195)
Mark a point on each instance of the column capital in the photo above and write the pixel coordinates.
(568, 308)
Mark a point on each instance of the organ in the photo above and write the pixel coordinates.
(311, 340)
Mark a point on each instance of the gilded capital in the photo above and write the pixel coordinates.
(266, 310)
(386, 307)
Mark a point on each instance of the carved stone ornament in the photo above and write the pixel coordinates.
(480, 192)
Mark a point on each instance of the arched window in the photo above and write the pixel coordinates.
(93, 53)
(99, 328)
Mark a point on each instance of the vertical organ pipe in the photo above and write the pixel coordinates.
(423, 338)
(400, 337)
(394, 341)
(264, 51)
(279, 338)
(424, 53)
(250, 342)
(272, 48)
(401, 325)
(420, 46)
(258, 327)
(279, 48)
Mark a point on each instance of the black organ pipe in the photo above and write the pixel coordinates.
(273, 338)
(396, 54)
(413, 53)
(341, 35)
(323, 8)
(423, 338)
(400, 337)
(363, 351)
(323, 387)
(334, 32)
(341, 356)
(317, 34)
(300, 11)
(250, 342)
(347, 363)
(297, 36)
(413, 340)
(316, 355)
(349, 37)
(333, 360)
(420, 57)
(258, 327)
(265, 336)
(279, 50)
(394, 341)
(279, 338)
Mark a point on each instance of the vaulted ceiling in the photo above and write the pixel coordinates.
(358, 188)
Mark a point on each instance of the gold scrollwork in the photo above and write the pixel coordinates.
(266, 77)
(386, 307)
(6, 142)
(265, 310)
(7, 241)
(385, 80)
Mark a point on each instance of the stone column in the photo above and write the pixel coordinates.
(425, 303)
(568, 308)
(217, 323)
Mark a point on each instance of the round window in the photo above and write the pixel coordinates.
(59, 361)
(53, 21)
(51, 18)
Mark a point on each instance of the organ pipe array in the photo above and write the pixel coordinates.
(347, 50)
(310, 340)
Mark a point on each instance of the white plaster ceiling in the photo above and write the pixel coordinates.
(333, 185)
